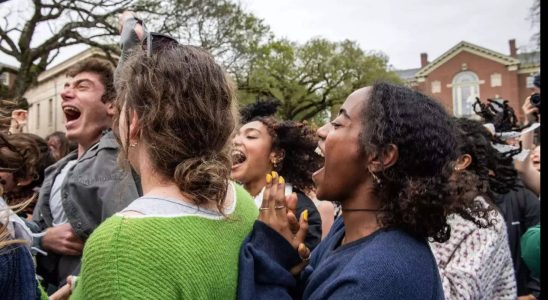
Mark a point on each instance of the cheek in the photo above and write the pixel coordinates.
(343, 169)
(258, 152)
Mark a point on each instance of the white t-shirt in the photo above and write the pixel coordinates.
(57, 211)
(259, 197)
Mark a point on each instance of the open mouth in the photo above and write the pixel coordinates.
(238, 157)
(71, 113)
(319, 151)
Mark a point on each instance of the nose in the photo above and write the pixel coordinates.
(236, 140)
(67, 93)
(323, 131)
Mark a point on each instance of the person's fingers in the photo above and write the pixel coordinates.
(263, 210)
(293, 222)
(273, 191)
(73, 247)
(303, 230)
(304, 251)
(291, 202)
(61, 294)
(280, 207)
(296, 270)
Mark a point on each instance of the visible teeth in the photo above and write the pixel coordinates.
(71, 109)
(238, 157)
(319, 151)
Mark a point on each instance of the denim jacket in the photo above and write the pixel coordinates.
(94, 189)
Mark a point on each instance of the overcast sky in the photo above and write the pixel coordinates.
(402, 29)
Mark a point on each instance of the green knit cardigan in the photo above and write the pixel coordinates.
(187, 257)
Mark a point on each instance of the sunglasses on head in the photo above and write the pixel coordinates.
(154, 42)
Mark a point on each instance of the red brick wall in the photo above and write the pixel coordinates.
(483, 68)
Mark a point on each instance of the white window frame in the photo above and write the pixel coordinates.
(459, 87)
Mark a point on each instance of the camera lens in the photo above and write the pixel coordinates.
(535, 99)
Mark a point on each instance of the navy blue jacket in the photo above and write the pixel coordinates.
(17, 279)
(388, 264)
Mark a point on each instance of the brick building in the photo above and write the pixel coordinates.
(467, 71)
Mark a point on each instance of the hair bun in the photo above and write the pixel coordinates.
(261, 108)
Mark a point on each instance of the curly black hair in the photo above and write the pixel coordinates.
(297, 141)
(476, 140)
(416, 193)
(260, 108)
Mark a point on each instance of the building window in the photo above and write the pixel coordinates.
(496, 80)
(4, 79)
(436, 87)
(529, 83)
(50, 112)
(37, 115)
(465, 90)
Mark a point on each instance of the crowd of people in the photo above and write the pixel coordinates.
(163, 188)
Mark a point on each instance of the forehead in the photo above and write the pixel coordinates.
(86, 76)
(354, 103)
(256, 125)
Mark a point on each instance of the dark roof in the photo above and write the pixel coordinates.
(529, 58)
(408, 73)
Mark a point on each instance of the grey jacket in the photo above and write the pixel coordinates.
(93, 190)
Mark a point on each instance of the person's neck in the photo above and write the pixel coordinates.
(255, 187)
(156, 185)
(359, 224)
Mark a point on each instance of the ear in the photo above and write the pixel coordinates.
(111, 109)
(463, 162)
(134, 127)
(24, 182)
(387, 158)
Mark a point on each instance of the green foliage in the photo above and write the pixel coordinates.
(313, 78)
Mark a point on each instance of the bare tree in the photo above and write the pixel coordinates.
(220, 26)
(68, 22)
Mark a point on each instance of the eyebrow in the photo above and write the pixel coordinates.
(252, 129)
(344, 113)
(77, 82)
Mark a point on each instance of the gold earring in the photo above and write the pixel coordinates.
(375, 177)
(457, 169)
(132, 145)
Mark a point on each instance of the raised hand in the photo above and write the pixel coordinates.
(278, 212)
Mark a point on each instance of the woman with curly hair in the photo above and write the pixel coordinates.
(462, 260)
(24, 158)
(389, 157)
(262, 145)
